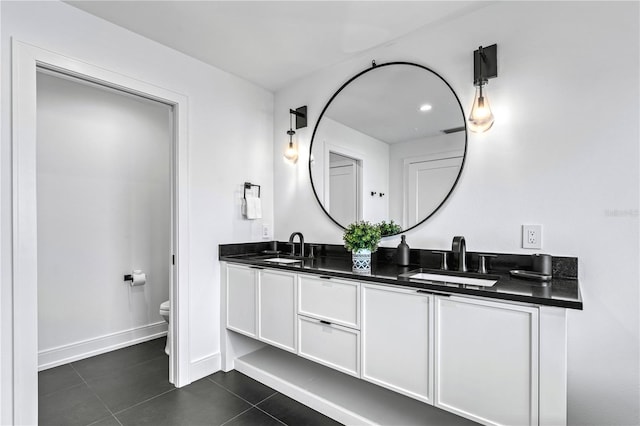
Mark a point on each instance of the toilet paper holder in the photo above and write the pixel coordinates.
(132, 279)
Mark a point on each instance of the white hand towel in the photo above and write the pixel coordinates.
(254, 208)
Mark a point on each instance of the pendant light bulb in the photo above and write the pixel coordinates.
(291, 153)
(481, 118)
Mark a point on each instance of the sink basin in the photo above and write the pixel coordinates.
(434, 278)
(282, 260)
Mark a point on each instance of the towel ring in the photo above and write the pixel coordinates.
(249, 185)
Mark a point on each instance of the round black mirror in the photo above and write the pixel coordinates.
(389, 146)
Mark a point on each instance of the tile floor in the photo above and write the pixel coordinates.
(130, 387)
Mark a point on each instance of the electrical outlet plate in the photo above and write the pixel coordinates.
(532, 236)
(266, 232)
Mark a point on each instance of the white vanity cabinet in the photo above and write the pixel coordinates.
(277, 309)
(329, 322)
(397, 340)
(242, 299)
(486, 360)
(331, 299)
(492, 361)
(261, 303)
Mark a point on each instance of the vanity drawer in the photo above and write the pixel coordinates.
(330, 299)
(333, 345)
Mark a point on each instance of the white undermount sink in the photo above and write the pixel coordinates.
(452, 279)
(282, 260)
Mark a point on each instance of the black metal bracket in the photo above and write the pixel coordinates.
(128, 277)
(485, 64)
(301, 116)
(249, 185)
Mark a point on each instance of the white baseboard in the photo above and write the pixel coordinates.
(204, 366)
(65, 354)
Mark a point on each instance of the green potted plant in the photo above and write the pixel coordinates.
(390, 228)
(362, 239)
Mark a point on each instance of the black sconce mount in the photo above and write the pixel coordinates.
(301, 116)
(485, 64)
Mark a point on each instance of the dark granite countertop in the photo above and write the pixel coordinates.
(562, 291)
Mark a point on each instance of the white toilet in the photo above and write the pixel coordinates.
(164, 312)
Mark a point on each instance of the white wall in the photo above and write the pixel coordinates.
(563, 153)
(230, 141)
(374, 154)
(104, 209)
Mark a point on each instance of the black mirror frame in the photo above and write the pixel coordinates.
(369, 69)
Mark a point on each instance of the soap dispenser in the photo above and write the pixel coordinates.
(402, 252)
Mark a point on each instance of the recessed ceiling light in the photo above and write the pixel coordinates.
(425, 107)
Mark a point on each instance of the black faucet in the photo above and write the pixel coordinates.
(460, 247)
(293, 247)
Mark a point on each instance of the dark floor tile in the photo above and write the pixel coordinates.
(253, 417)
(243, 386)
(71, 406)
(292, 412)
(57, 378)
(109, 421)
(126, 387)
(107, 363)
(200, 403)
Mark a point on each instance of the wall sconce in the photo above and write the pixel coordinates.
(291, 153)
(485, 66)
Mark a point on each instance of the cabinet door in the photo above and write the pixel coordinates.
(330, 299)
(277, 309)
(242, 298)
(486, 362)
(397, 340)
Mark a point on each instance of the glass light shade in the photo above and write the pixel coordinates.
(291, 153)
(481, 118)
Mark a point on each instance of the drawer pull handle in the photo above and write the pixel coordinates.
(325, 278)
(325, 322)
(255, 267)
(433, 292)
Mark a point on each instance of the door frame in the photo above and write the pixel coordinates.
(359, 160)
(26, 59)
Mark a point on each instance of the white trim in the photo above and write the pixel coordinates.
(26, 59)
(302, 395)
(65, 354)
(205, 366)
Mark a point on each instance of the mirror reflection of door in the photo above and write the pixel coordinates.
(344, 188)
(429, 182)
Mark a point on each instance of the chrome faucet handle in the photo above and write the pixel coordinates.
(443, 260)
(482, 262)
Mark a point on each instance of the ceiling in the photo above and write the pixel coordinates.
(385, 103)
(272, 43)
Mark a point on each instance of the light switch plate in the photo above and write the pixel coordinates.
(532, 236)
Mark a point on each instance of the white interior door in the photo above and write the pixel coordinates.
(343, 189)
(429, 182)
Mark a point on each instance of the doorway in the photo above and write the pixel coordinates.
(26, 60)
(345, 188)
(103, 160)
